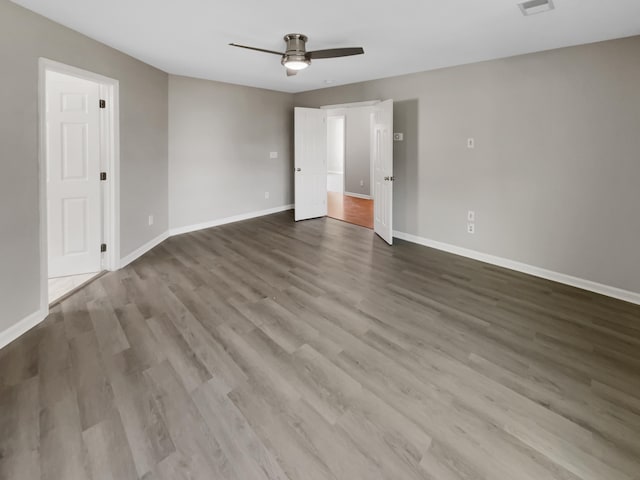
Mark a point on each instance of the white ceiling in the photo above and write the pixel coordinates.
(190, 37)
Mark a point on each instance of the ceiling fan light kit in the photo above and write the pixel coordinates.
(295, 63)
(296, 57)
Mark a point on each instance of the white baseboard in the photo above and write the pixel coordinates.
(20, 328)
(224, 221)
(192, 228)
(358, 195)
(138, 252)
(627, 296)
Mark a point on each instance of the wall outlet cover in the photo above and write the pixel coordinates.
(266, 195)
(471, 228)
(471, 143)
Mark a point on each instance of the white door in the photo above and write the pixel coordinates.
(383, 170)
(310, 163)
(73, 175)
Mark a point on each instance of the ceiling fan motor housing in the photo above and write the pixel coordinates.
(296, 43)
(296, 48)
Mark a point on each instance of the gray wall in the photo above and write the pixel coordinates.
(335, 144)
(24, 37)
(555, 175)
(219, 143)
(357, 161)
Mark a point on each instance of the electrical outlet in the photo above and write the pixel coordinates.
(471, 216)
(471, 228)
(398, 137)
(150, 220)
(362, 183)
(471, 143)
(266, 195)
(273, 155)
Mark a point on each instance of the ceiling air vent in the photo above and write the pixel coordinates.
(536, 6)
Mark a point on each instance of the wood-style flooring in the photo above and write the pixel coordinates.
(267, 349)
(358, 211)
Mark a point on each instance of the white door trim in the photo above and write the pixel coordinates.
(372, 167)
(110, 162)
(368, 103)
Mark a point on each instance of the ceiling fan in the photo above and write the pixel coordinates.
(296, 57)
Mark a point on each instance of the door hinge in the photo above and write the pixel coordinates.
(103, 103)
(103, 176)
(103, 247)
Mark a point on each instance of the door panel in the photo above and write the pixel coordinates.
(74, 214)
(75, 102)
(73, 167)
(310, 163)
(383, 170)
(75, 154)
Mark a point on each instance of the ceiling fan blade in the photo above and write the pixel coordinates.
(335, 52)
(291, 73)
(256, 49)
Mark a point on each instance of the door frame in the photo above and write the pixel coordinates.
(341, 111)
(372, 173)
(368, 103)
(109, 162)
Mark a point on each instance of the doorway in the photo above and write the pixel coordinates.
(78, 155)
(349, 165)
(323, 163)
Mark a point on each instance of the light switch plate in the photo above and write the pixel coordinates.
(471, 143)
(273, 155)
(398, 137)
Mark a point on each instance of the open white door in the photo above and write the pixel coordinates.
(382, 150)
(310, 163)
(73, 175)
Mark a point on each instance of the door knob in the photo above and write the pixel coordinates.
(298, 169)
(386, 179)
